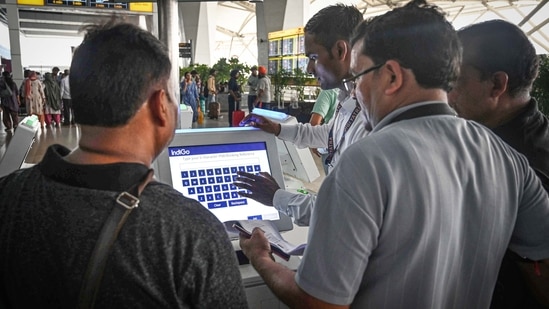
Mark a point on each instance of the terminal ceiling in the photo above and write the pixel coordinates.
(236, 23)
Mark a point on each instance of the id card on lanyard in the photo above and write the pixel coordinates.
(331, 148)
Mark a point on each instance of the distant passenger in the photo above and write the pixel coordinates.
(68, 114)
(53, 101)
(35, 97)
(22, 100)
(264, 91)
(56, 76)
(211, 87)
(189, 94)
(252, 90)
(9, 102)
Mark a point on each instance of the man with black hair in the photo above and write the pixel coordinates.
(413, 215)
(234, 95)
(252, 84)
(496, 76)
(170, 253)
(9, 103)
(327, 47)
(65, 86)
(211, 88)
(56, 76)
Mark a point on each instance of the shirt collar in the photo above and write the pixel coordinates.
(113, 177)
(388, 118)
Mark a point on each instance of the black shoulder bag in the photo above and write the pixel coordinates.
(124, 204)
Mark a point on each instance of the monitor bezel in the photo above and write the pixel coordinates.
(226, 135)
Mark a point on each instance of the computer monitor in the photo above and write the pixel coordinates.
(296, 162)
(202, 165)
(19, 145)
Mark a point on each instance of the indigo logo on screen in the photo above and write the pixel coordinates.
(179, 152)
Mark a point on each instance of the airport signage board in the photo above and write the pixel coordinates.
(146, 7)
(185, 50)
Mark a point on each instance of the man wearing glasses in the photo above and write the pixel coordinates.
(327, 46)
(419, 213)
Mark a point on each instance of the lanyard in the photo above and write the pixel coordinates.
(331, 149)
(424, 110)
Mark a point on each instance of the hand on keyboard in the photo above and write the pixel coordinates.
(260, 187)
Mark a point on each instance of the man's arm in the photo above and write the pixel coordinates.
(259, 95)
(261, 123)
(264, 189)
(316, 119)
(277, 277)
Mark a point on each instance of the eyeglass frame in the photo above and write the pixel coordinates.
(346, 81)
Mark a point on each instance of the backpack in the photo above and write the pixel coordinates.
(5, 91)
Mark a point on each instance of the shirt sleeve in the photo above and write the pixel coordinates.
(296, 205)
(305, 135)
(323, 102)
(530, 236)
(343, 232)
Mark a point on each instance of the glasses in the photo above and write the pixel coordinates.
(350, 83)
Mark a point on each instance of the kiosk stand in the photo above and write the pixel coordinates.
(19, 146)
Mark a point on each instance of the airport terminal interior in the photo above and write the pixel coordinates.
(68, 136)
(248, 38)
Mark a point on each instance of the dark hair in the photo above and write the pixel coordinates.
(194, 72)
(498, 45)
(419, 37)
(234, 72)
(212, 71)
(332, 23)
(8, 79)
(114, 49)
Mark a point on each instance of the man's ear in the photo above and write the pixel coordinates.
(341, 48)
(393, 76)
(159, 107)
(499, 82)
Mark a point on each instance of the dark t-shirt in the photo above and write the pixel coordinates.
(171, 253)
(233, 85)
(528, 133)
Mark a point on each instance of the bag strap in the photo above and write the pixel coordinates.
(124, 204)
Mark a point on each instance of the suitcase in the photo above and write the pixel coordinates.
(237, 117)
(214, 109)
